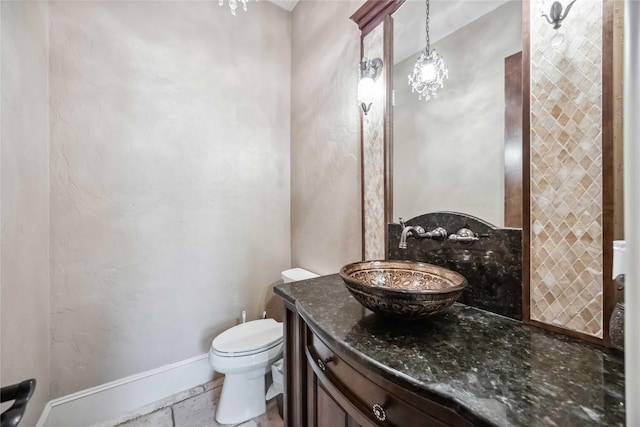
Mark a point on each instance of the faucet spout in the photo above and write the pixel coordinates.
(407, 231)
(438, 234)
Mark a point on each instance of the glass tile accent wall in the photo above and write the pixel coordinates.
(566, 170)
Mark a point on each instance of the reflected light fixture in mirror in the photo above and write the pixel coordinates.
(367, 88)
(555, 18)
(233, 5)
(429, 72)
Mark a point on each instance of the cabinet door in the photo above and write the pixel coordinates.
(323, 409)
(329, 412)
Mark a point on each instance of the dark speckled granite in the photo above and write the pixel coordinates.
(488, 367)
(491, 265)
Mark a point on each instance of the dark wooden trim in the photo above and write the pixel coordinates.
(362, 220)
(300, 326)
(526, 162)
(618, 128)
(569, 332)
(388, 128)
(290, 368)
(608, 292)
(513, 140)
(373, 12)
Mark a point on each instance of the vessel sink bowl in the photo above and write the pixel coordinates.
(403, 289)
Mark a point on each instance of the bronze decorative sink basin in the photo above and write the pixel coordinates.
(403, 289)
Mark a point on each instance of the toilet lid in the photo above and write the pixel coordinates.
(248, 336)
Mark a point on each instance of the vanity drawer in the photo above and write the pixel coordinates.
(375, 398)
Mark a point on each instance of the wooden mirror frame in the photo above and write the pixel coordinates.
(368, 17)
(376, 12)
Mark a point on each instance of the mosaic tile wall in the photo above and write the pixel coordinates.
(373, 158)
(566, 170)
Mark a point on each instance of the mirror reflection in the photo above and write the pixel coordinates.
(459, 151)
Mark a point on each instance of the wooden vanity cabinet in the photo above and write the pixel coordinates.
(326, 387)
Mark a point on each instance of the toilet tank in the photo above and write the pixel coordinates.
(619, 248)
(295, 274)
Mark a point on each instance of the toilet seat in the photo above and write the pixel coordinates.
(246, 353)
(248, 338)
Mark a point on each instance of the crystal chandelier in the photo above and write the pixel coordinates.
(429, 71)
(233, 5)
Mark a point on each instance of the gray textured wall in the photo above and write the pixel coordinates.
(24, 213)
(169, 169)
(325, 141)
(169, 179)
(449, 151)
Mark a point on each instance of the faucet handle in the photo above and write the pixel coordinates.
(401, 221)
(464, 235)
(438, 233)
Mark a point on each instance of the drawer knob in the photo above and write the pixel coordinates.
(322, 363)
(379, 412)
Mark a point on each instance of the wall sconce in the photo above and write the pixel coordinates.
(555, 18)
(369, 71)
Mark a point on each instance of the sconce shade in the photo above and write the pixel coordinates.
(367, 89)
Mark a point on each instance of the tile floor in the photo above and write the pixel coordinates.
(194, 408)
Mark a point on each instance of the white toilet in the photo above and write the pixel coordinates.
(245, 353)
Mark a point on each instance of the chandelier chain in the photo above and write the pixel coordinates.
(428, 47)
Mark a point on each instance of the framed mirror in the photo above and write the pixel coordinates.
(561, 85)
(461, 151)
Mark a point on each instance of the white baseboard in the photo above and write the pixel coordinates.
(111, 400)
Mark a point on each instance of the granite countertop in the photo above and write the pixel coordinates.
(490, 368)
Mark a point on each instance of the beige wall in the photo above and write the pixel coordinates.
(325, 142)
(24, 156)
(169, 179)
(167, 173)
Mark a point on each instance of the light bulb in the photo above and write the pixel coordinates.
(428, 72)
(366, 90)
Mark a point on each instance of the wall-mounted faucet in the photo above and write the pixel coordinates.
(416, 231)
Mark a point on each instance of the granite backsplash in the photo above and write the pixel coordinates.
(491, 265)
